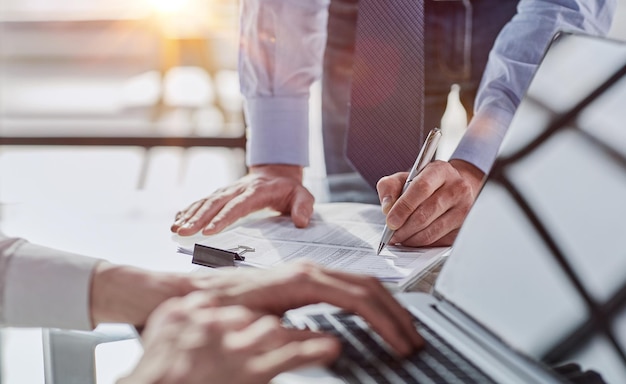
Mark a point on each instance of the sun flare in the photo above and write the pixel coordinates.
(167, 6)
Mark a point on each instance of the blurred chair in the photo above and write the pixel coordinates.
(69, 356)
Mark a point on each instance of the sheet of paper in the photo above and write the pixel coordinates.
(341, 236)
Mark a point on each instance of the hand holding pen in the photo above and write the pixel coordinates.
(424, 157)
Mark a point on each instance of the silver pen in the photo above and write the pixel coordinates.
(423, 158)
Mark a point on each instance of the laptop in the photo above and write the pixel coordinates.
(534, 290)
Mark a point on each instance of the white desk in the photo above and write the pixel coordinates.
(126, 228)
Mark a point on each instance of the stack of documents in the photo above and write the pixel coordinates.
(341, 236)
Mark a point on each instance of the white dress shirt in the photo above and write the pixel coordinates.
(43, 287)
(282, 45)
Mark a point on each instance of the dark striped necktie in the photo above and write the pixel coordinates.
(387, 99)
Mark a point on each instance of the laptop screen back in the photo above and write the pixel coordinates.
(541, 258)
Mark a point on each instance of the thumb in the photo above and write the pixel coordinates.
(389, 190)
(302, 207)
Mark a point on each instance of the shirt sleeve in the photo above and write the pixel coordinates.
(512, 63)
(43, 287)
(281, 47)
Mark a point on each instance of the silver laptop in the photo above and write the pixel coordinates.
(535, 288)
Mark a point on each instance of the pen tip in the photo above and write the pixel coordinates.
(380, 248)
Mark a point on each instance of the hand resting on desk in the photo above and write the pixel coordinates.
(274, 186)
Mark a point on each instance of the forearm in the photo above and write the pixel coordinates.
(43, 287)
(123, 294)
(512, 63)
(282, 43)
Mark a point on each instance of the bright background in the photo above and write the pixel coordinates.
(144, 68)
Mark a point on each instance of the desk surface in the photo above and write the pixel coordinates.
(125, 228)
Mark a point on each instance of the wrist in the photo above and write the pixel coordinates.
(123, 294)
(472, 174)
(279, 170)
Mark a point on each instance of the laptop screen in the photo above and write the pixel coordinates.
(541, 258)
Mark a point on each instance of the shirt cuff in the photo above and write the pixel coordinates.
(48, 288)
(278, 131)
(480, 144)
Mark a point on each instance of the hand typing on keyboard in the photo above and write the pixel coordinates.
(302, 283)
(228, 328)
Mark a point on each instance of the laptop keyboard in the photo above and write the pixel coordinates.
(366, 358)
